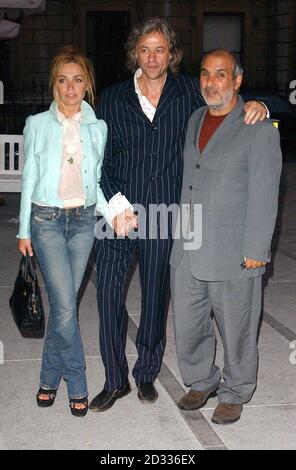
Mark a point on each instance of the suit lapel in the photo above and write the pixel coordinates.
(199, 125)
(225, 127)
(130, 98)
(169, 93)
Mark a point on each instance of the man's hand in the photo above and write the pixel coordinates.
(24, 245)
(253, 263)
(255, 111)
(124, 222)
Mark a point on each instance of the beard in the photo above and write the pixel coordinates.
(220, 102)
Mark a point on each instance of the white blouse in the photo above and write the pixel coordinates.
(70, 188)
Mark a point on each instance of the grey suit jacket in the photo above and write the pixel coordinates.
(236, 180)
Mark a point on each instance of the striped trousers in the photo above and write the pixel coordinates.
(113, 260)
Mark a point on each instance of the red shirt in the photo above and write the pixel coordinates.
(210, 124)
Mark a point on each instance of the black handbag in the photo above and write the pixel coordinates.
(26, 303)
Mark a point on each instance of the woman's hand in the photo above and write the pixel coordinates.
(124, 222)
(24, 245)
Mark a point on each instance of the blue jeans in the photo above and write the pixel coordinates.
(62, 240)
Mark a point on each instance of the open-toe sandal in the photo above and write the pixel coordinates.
(78, 411)
(45, 402)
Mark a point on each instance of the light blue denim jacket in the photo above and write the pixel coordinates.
(43, 137)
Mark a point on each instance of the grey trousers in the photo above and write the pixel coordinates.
(236, 306)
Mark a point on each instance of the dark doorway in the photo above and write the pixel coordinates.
(4, 62)
(106, 34)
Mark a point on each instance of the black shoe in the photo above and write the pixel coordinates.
(147, 393)
(104, 400)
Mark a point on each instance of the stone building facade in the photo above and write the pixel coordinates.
(267, 34)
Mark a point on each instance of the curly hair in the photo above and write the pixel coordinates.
(71, 53)
(153, 25)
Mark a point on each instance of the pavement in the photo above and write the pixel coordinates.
(267, 421)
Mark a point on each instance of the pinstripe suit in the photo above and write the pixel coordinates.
(143, 161)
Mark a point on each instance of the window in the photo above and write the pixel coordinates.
(106, 34)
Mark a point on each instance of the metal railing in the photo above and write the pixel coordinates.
(11, 162)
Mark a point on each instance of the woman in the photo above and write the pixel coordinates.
(63, 150)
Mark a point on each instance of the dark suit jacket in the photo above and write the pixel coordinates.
(143, 160)
(236, 181)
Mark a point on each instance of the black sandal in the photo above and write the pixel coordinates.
(78, 411)
(44, 403)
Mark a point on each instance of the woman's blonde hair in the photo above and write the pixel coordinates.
(66, 55)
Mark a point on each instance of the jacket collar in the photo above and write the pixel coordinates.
(170, 92)
(88, 114)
